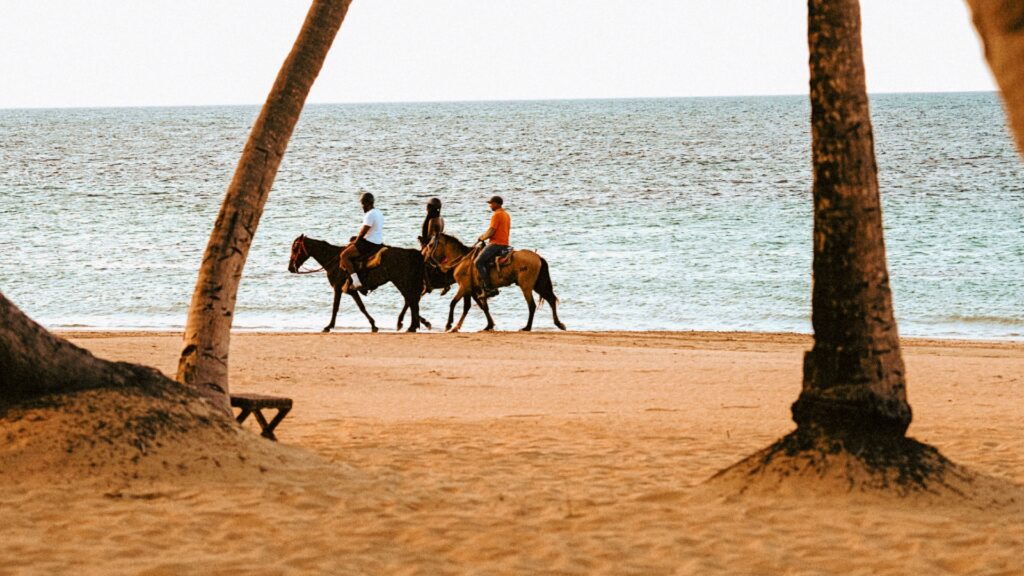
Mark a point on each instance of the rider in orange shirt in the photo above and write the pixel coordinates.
(497, 233)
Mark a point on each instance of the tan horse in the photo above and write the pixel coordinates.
(526, 269)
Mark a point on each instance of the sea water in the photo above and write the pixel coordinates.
(654, 214)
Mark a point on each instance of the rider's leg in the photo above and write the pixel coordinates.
(347, 255)
(482, 264)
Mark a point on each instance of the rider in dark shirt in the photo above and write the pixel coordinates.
(433, 224)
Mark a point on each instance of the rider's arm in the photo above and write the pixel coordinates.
(490, 232)
(362, 231)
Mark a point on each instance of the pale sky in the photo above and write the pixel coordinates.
(56, 53)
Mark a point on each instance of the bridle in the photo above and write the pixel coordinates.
(304, 250)
(432, 261)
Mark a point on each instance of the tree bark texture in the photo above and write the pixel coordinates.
(204, 356)
(854, 376)
(34, 362)
(1001, 26)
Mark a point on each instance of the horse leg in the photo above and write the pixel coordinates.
(334, 309)
(359, 302)
(414, 306)
(554, 314)
(425, 323)
(465, 310)
(482, 303)
(531, 304)
(547, 292)
(401, 315)
(451, 308)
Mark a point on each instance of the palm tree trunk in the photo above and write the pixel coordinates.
(1001, 25)
(204, 356)
(854, 376)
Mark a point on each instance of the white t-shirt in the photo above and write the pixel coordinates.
(375, 220)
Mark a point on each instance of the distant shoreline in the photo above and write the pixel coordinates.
(696, 336)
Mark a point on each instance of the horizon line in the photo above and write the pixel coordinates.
(478, 101)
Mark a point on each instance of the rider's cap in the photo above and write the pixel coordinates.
(497, 200)
(366, 198)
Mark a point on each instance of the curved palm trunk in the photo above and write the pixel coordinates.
(204, 356)
(854, 376)
(1001, 25)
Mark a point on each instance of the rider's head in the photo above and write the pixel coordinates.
(434, 205)
(495, 202)
(366, 199)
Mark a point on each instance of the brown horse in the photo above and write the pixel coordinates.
(401, 266)
(526, 269)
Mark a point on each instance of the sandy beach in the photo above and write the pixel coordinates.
(544, 453)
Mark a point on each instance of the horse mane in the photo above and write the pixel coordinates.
(321, 242)
(456, 241)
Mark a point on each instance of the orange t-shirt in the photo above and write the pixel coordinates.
(502, 224)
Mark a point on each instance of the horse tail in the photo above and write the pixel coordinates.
(543, 285)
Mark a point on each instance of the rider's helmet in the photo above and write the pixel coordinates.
(366, 198)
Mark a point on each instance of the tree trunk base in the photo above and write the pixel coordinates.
(808, 463)
(155, 430)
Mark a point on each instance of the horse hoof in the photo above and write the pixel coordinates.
(399, 327)
(427, 325)
(525, 329)
(560, 326)
(326, 330)
(374, 329)
(411, 329)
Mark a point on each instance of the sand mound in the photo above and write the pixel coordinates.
(904, 469)
(117, 436)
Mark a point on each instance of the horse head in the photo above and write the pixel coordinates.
(299, 254)
(442, 251)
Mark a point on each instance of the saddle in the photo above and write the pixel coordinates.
(504, 258)
(374, 261)
(369, 262)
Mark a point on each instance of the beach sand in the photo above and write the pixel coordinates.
(543, 453)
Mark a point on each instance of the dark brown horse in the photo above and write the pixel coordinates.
(526, 269)
(403, 267)
(434, 279)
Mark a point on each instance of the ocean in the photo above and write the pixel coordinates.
(654, 214)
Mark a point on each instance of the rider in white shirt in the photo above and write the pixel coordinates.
(369, 240)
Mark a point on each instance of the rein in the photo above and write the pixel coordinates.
(302, 245)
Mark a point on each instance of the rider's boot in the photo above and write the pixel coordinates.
(487, 290)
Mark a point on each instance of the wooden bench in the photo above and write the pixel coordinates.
(255, 403)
